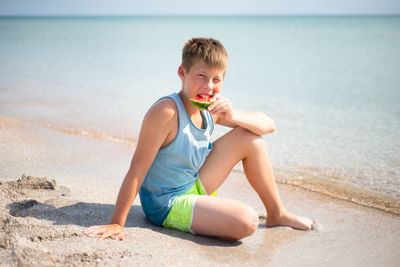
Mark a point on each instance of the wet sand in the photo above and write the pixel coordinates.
(72, 181)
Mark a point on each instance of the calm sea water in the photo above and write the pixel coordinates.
(332, 84)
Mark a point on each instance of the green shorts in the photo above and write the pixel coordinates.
(181, 214)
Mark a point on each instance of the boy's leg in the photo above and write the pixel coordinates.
(240, 144)
(223, 217)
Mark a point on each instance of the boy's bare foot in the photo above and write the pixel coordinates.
(291, 220)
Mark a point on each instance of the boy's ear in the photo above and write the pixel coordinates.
(181, 72)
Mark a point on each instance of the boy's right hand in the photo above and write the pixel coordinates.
(105, 231)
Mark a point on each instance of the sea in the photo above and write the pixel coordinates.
(331, 84)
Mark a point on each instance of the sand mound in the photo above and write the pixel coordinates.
(41, 224)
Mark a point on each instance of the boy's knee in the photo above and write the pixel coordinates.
(248, 223)
(253, 221)
(250, 138)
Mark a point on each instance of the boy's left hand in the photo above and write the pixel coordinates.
(221, 107)
(113, 231)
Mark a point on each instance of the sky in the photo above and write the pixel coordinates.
(204, 7)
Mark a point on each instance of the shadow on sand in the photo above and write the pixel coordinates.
(87, 214)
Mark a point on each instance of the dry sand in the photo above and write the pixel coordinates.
(75, 180)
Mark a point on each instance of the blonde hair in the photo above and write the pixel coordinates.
(211, 51)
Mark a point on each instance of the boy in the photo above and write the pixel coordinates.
(176, 167)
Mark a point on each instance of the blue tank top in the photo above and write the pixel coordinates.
(175, 168)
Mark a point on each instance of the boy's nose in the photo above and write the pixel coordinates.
(210, 84)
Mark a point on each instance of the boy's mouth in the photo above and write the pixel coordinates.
(205, 96)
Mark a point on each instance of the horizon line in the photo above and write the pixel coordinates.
(205, 15)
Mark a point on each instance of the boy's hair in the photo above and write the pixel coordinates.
(211, 51)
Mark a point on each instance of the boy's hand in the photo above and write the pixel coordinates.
(221, 107)
(105, 231)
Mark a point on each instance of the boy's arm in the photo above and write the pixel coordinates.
(154, 131)
(224, 114)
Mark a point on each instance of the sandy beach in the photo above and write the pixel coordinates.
(54, 184)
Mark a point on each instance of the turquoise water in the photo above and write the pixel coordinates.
(332, 84)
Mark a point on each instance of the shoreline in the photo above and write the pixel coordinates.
(306, 181)
(341, 191)
(43, 221)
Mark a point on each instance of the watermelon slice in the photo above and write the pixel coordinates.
(201, 103)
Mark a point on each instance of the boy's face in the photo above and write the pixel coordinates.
(201, 80)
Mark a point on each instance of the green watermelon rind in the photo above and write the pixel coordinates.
(200, 105)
